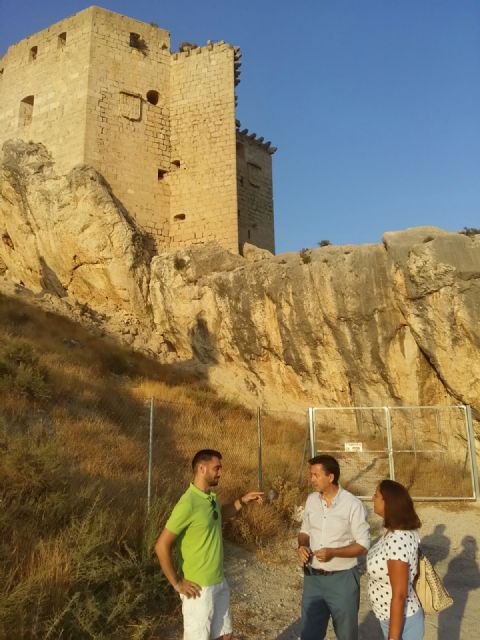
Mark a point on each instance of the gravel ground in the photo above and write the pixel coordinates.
(267, 585)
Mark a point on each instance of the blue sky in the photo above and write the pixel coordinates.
(374, 104)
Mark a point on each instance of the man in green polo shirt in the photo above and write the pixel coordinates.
(195, 524)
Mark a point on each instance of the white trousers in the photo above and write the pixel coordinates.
(208, 616)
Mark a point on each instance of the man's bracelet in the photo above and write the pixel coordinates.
(176, 586)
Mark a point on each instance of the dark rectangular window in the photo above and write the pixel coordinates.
(26, 111)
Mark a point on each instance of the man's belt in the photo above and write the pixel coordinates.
(311, 571)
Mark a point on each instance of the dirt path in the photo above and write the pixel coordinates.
(267, 586)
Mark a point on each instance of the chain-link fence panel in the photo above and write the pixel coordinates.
(285, 446)
(431, 452)
(285, 449)
(428, 449)
(358, 438)
(182, 429)
(260, 450)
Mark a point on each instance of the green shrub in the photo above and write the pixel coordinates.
(306, 256)
(20, 352)
(31, 381)
(179, 263)
(6, 368)
(470, 231)
(21, 373)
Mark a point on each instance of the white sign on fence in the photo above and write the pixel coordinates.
(354, 446)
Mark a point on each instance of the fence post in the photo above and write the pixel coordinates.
(260, 462)
(307, 434)
(312, 427)
(150, 449)
(471, 449)
(391, 461)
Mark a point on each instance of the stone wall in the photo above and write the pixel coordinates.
(203, 202)
(50, 70)
(128, 135)
(255, 194)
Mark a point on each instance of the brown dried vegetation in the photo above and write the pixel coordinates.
(76, 555)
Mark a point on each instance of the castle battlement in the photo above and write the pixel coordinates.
(103, 89)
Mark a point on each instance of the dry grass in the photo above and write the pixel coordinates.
(76, 555)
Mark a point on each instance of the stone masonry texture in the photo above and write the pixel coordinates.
(105, 90)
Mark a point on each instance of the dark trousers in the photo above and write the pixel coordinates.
(337, 595)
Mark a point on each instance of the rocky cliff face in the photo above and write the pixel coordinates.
(391, 323)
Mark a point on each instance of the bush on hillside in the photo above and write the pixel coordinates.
(71, 565)
(20, 371)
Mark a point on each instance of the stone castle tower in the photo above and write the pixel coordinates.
(103, 89)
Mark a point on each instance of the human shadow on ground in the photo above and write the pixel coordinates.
(369, 628)
(463, 576)
(436, 546)
(291, 632)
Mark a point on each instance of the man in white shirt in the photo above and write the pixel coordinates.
(333, 534)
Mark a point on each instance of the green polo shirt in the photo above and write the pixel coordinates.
(199, 536)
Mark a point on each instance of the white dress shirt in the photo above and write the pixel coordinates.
(339, 525)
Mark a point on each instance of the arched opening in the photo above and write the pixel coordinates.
(33, 53)
(62, 40)
(153, 96)
(26, 111)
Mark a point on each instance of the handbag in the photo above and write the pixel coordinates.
(429, 587)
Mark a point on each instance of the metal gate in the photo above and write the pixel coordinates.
(429, 449)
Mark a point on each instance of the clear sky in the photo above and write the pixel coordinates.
(374, 105)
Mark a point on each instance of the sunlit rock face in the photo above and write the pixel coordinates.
(370, 324)
(68, 235)
(391, 323)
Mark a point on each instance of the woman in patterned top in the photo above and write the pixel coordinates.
(392, 565)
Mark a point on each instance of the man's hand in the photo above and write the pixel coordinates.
(325, 554)
(252, 496)
(303, 553)
(188, 588)
(231, 510)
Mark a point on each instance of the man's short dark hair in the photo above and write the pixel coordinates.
(204, 455)
(329, 463)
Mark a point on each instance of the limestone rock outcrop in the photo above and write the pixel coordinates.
(351, 325)
(69, 236)
(390, 323)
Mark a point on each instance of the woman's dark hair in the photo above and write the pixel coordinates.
(329, 463)
(399, 510)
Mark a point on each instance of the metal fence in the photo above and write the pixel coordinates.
(259, 449)
(429, 449)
